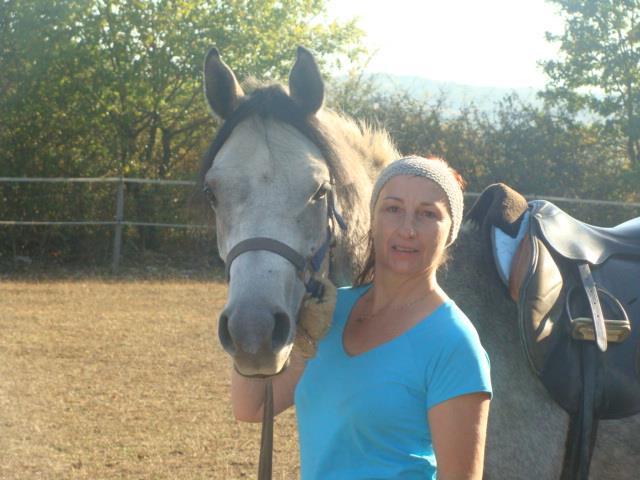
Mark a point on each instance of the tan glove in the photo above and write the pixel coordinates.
(314, 320)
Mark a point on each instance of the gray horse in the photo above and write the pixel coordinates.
(284, 169)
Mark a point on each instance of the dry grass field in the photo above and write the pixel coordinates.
(105, 379)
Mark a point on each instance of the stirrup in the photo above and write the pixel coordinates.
(582, 328)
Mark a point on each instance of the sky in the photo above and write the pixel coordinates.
(473, 42)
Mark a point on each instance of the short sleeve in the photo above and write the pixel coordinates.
(461, 367)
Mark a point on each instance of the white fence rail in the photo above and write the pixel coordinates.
(119, 221)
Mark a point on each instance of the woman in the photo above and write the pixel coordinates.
(400, 385)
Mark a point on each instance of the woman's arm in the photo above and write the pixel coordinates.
(458, 429)
(247, 394)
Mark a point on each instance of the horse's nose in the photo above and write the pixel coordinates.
(250, 331)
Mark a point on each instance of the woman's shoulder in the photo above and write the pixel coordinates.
(456, 316)
(449, 323)
(346, 298)
(449, 338)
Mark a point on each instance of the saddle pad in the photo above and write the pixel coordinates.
(504, 247)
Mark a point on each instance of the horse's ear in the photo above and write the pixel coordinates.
(221, 88)
(306, 87)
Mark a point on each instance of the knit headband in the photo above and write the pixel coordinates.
(435, 170)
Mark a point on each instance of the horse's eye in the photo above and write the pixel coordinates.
(322, 192)
(211, 198)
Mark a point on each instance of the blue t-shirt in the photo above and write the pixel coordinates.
(365, 417)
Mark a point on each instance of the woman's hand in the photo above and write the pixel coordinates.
(247, 394)
(458, 429)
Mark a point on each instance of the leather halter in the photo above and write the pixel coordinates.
(305, 266)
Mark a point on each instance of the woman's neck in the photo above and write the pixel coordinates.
(392, 289)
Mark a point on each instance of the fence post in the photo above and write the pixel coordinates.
(117, 239)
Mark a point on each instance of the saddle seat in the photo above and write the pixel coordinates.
(549, 279)
(576, 240)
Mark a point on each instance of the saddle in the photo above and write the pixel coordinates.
(577, 287)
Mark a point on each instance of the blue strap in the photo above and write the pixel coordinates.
(318, 257)
(333, 213)
(339, 219)
(313, 286)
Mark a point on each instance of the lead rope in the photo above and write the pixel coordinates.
(266, 439)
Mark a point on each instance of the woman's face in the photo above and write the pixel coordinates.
(411, 224)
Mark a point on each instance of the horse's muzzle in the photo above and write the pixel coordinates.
(258, 339)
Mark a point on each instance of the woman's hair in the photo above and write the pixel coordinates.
(367, 273)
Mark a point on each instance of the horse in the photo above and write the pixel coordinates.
(284, 170)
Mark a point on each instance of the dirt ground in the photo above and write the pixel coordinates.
(104, 379)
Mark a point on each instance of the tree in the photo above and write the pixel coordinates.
(124, 76)
(599, 71)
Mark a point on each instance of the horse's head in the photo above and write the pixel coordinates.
(268, 179)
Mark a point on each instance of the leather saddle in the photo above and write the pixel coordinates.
(577, 287)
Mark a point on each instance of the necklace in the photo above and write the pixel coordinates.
(388, 307)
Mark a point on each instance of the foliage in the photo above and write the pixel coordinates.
(537, 150)
(545, 152)
(599, 69)
(113, 87)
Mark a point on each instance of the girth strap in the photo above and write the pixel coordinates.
(585, 423)
(583, 426)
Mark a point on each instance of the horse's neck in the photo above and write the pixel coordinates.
(343, 267)
(349, 252)
(361, 151)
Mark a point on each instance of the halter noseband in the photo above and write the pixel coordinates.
(305, 266)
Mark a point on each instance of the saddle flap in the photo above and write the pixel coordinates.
(536, 284)
(579, 241)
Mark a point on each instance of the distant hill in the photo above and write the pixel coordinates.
(458, 95)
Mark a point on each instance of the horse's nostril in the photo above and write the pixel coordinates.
(225, 335)
(281, 331)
